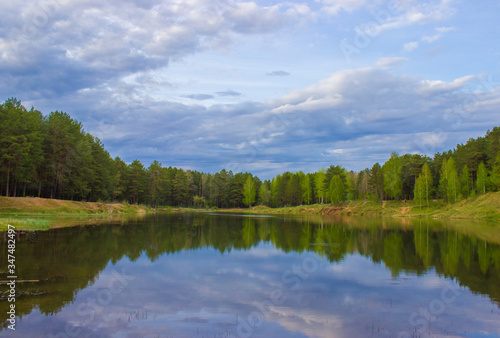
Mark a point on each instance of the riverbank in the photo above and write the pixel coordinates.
(35, 205)
(31, 214)
(42, 214)
(484, 207)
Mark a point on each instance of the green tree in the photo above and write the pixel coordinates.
(265, 193)
(453, 188)
(180, 188)
(336, 189)
(443, 180)
(428, 182)
(306, 187)
(376, 181)
(154, 182)
(249, 191)
(319, 184)
(136, 182)
(482, 178)
(419, 191)
(465, 181)
(120, 181)
(392, 176)
(495, 171)
(362, 183)
(199, 201)
(293, 190)
(351, 186)
(65, 149)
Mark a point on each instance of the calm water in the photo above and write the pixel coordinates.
(230, 276)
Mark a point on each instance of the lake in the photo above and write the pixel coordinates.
(213, 275)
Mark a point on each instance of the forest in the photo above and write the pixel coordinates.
(53, 156)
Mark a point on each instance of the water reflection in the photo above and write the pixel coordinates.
(200, 275)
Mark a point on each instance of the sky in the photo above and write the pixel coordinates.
(259, 86)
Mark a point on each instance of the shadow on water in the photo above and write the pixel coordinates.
(56, 264)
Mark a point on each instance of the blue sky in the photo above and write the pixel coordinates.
(264, 86)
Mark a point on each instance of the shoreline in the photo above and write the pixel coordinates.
(30, 214)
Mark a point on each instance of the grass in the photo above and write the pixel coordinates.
(26, 224)
(44, 206)
(483, 207)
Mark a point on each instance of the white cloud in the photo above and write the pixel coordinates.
(409, 13)
(333, 7)
(410, 46)
(387, 62)
(440, 31)
(91, 42)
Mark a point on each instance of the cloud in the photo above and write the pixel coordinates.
(333, 7)
(228, 93)
(200, 97)
(278, 73)
(410, 46)
(58, 47)
(369, 112)
(440, 32)
(387, 62)
(249, 18)
(403, 14)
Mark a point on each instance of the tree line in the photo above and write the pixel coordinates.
(54, 157)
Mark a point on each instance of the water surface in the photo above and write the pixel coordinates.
(199, 275)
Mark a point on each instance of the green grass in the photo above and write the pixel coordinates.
(26, 224)
(483, 207)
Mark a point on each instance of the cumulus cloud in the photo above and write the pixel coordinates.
(57, 47)
(361, 115)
